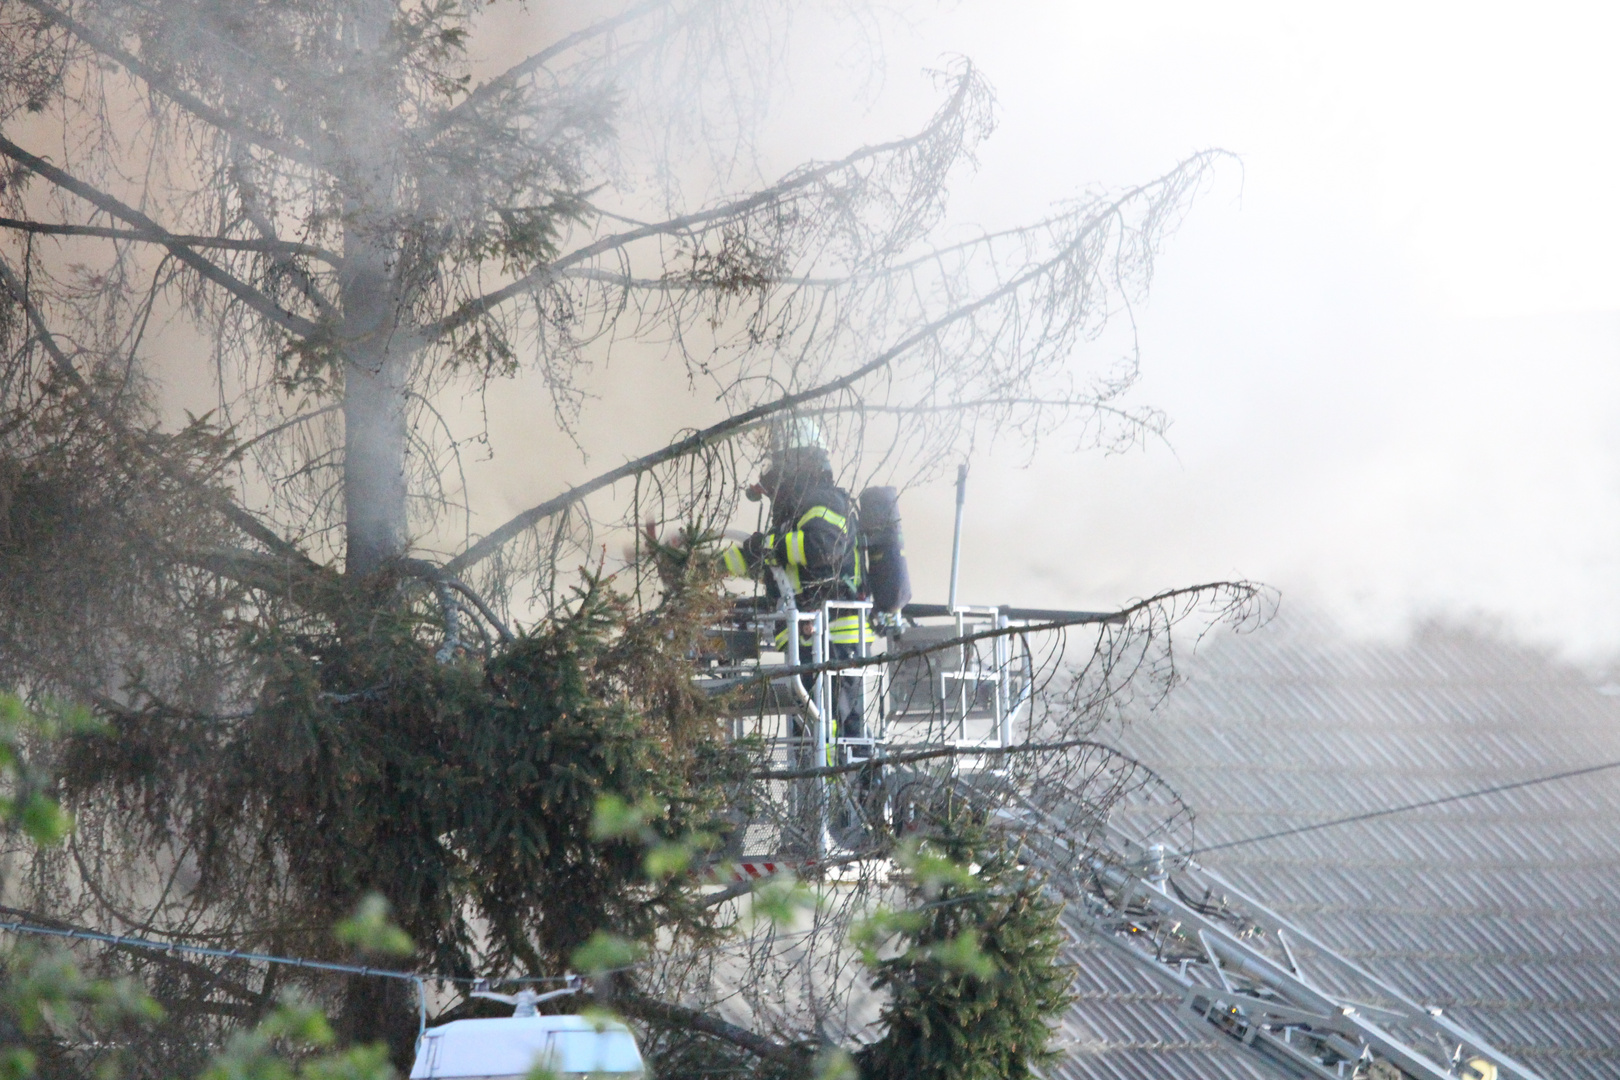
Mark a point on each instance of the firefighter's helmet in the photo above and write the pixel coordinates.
(796, 433)
(1478, 1069)
(797, 450)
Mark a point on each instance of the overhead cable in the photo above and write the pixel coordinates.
(126, 941)
(1371, 814)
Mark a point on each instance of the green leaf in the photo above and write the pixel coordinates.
(16, 1063)
(113, 1001)
(299, 1022)
(44, 822)
(935, 873)
(870, 933)
(834, 1063)
(599, 1018)
(666, 860)
(371, 930)
(605, 952)
(963, 954)
(252, 1055)
(368, 1062)
(43, 986)
(780, 898)
(615, 819)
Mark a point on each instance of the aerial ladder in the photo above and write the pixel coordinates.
(1240, 972)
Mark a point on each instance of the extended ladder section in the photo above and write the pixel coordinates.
(1241, 971)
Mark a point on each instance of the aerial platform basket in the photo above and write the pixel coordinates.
(960, 677)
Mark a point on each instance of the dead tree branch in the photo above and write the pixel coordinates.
(235, 514)
(932, 754)
(253, 298)
(750, 418)
(227, 243)
(166, 86)
(666, 1012)
(509, 78)
(794, 182)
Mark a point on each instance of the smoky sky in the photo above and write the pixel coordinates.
(1386, 334)
(1387, 338)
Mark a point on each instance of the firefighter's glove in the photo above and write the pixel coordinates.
(753, 549)
(887, 623)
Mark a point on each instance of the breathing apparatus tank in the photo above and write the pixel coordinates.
(886, 573)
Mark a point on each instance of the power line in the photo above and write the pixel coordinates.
(125, 941)
(256, 957)
(171, 947)
(1371, 814)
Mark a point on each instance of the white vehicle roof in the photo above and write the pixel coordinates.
(511, 1046)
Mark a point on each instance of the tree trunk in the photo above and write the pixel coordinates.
(376, 361)
(374, 434)
(380, 1010)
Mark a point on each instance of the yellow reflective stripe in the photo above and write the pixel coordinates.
(850, 630)
(792, 572)
(836, 520)
(735, 563)
(804, 643)
(794, 542)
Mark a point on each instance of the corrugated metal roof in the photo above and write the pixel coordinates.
(1504, 909)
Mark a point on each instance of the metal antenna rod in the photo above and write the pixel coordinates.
(956, 541)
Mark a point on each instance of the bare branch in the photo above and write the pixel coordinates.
(679, 1015)
(255, 299)
(440, 576)
(746, 886)
(511, 75)
(932, 754)
(266, 573)
(306, 282)
(165, 86)
(235, 514)
(228, 243)
(301, 418)
(794, 182)
(933, 255)
(749, 418)
(1240, 594)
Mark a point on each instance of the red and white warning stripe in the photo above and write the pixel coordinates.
(728, 873)
(758, 869)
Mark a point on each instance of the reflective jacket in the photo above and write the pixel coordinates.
(814, 538)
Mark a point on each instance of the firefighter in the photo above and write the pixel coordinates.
(814, 540)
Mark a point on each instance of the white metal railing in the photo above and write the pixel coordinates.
(964, 695)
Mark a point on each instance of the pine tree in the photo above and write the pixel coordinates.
(972, 970)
